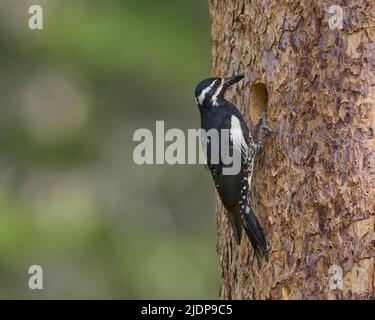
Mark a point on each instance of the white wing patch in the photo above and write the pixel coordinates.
(237, 137)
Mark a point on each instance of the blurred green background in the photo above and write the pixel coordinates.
(71, 198)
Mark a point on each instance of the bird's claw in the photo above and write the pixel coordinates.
(263, 124)
(266, 128)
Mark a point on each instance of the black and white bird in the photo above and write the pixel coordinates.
(233, 189)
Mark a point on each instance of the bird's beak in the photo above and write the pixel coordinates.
(232, 80)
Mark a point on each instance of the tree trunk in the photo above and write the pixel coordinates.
(314, 183)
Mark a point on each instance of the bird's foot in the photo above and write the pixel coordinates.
(264, 129)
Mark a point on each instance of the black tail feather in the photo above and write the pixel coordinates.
(255, 233)
(235, 221)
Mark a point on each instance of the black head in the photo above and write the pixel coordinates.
(212, 89)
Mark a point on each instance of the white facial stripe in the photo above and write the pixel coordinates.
(203, 93)
(214, 97)
(238, 139)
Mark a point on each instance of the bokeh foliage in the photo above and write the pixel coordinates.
(71, 198)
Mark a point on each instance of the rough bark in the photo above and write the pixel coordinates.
(314, 185)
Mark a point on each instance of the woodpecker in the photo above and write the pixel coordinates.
(218, 113)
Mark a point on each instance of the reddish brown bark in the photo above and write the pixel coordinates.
(314, 186)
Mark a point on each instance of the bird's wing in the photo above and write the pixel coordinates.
(239, 135)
